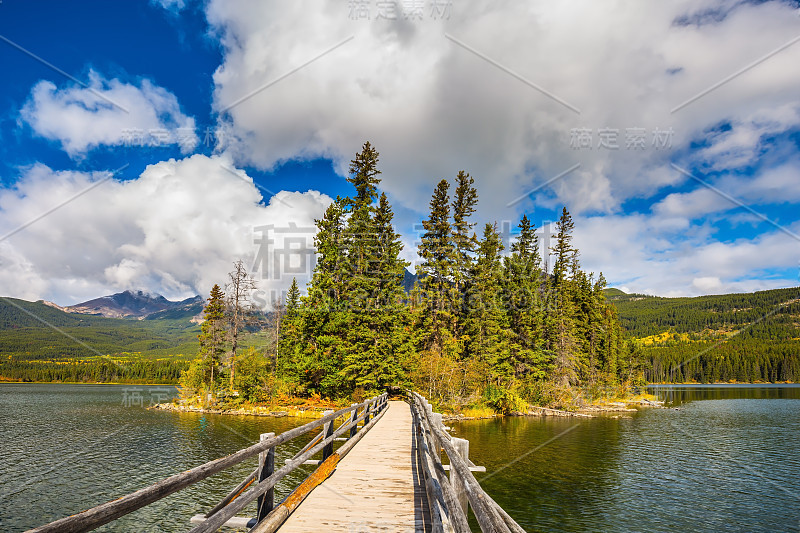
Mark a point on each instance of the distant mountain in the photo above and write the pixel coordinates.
(38, 330)
(409, 280)
(139, 304)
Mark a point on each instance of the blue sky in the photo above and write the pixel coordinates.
(672, 134)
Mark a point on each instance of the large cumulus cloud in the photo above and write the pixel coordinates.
(499, 88)
(175, 230)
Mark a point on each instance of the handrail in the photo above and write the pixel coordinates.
(217, 520)
(490, 516)
(112, 510)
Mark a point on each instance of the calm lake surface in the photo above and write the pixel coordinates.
(727, 460)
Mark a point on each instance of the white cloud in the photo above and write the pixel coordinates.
(643, 255)
(432, 107)
(775, 185)
(107, 112)
(174, 230)
(173, 6)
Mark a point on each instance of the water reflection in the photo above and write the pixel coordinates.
(679, 394)
(69, 447)
(729, 459)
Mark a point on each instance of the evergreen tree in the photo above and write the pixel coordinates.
(289, 344)
(465, 198)
(522, 286)
(380, 334)
(486, 317)
(364, 176)
(563, 248)
(212, 337)
(563, 335)
(325, 315)
(436, 272)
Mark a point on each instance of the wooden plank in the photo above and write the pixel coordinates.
(278, 516)
(213, 523)
(462, 447)
(236, 521)
(266, 467)
(374, 488)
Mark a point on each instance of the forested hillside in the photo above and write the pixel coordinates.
(731, 337)
(42, 343)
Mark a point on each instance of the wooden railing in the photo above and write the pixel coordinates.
(448, 497)
(259, 485)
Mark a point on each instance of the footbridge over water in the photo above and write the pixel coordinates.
(380, 468)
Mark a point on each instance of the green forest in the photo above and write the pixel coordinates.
(41, 343)
(732, 337)
(480, 327)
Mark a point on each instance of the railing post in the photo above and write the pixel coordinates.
(367, 410)
(327, 431)
(462, 447)
(266, 463)
(436, 421)
(353, 418)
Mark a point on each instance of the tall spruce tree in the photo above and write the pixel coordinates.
(212, 336)
(290, 339)
(366, 364)
(437, 251)
(522, 286)
(465, 198)
(486, 317)
(326, 316)
(382, 361)
(562, 322)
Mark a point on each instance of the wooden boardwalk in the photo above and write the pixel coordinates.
(376, 487)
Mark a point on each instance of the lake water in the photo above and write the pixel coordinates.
(727, 460)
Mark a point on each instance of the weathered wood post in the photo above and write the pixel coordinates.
(462, 447)
(266, 464)
(436, 421)
(367, 411)
(327, 431)
(353, 418)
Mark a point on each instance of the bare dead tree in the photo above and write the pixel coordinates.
(240, 309)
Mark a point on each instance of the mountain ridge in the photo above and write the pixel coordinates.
(133, 304)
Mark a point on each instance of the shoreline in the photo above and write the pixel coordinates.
(142, 384)
(592, 411)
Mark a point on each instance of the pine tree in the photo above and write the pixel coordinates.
(436, 271)
(212, 336)
(486, 317)
(563, 335)
(364, 175)
(360, 235)
(563, 248)
(290, 339)
(522, 286)
(325, 314)
(381, 334)
(465, 199)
